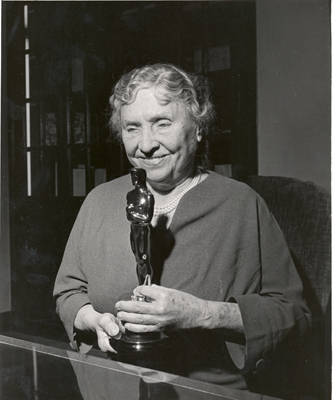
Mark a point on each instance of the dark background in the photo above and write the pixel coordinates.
(77, 52)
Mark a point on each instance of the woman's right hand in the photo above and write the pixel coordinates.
(104, 325)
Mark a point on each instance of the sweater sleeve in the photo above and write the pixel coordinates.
(278, 312)
(71, 287)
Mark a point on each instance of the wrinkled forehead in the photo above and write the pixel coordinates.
(148, 102)
(162, 95)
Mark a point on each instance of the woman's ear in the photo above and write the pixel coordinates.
(199, 135)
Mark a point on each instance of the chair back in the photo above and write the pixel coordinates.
(303, 211)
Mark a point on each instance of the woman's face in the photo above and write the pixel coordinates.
(160, 138)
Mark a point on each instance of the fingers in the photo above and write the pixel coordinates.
(108, 326)
(103, 340)
(140, 319)
(136, 328)
(141, 316)
(153, 291)
(112, 326)
(139, 307)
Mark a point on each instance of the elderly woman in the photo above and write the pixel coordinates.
(223, 275)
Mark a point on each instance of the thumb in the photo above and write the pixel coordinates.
(111, 326)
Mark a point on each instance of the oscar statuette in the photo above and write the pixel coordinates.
(139, 211)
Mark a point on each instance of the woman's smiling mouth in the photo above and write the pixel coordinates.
(151, 160)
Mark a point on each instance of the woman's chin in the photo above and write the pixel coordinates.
(157, 173)
(159, 181)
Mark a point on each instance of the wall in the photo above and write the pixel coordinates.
(5, 294)
(293, 56)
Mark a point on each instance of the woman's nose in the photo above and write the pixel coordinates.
(148, 144)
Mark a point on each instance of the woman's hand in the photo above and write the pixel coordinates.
(173, 309)
(169, 308)
(104, 325)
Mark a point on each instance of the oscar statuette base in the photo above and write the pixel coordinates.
(149, 342)
(132, 343)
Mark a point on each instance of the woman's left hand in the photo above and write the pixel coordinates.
(169, 308)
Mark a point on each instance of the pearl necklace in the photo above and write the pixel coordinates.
(162, 210)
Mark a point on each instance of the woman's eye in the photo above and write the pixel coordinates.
(131, 130)
(163, 124)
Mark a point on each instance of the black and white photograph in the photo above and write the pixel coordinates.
(165, 200)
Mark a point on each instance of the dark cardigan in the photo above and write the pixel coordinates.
(222, 245)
